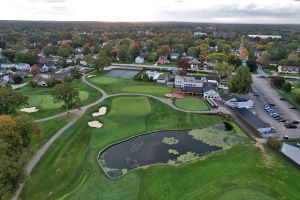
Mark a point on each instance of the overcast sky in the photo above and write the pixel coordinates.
(228, 11)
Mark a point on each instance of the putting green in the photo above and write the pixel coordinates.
(192, 103)
(130, 106)
(146, 89)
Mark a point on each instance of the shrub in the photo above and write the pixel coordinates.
(278, 81)
(274, 143)
(287, 87)
(67, 79)
(33, 84)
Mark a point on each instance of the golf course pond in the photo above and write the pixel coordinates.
(169, 146)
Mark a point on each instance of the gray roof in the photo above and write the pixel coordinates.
(238, 97)
(196, 90)
(252, 119)
(210, 86)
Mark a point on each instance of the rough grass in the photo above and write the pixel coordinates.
(115, 85)
(70, 170)
(192, 103)
(42, 99)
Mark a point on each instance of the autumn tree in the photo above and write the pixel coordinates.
(244, 53)
(241, 82)
(183, 63)
(35, 70)
(164, 49)
(66, 94)
(10, 100)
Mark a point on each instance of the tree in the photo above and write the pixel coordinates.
(287, 87)
(234, 60)
(134, 50)
(67, 95)
(252, 65)
(219, 57)
(10, 100)
(297, 97)
(241, 81)
(17, 79)
(89, 60)
(278, 81)
(64, 51)
(152, 57)
(151, 45)
(164, 49)
(28, 57)
(10, 55)
(183, 63)
(223, 69)
(194, 51)
(75, 72)
(35, 70)
(101, 61)
(244, 53)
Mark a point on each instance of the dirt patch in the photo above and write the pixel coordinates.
(268, 160)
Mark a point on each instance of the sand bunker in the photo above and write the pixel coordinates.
(29, 110)
(89, 76)
(95, 124)
(102, 111)
(169, 95)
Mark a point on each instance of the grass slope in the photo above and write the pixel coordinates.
(118, 85)
(42, 99)
(70, 170)
(192, 103)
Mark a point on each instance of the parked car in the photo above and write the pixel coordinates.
(271, 104)
(282, 120)
(295, 122)
(255, 94)
(291, 126)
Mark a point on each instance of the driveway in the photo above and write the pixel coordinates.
(269, 95)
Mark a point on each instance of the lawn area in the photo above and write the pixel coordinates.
(192, 103)
(42, 99)
(70, 170)
(48, 129)
(118, 85)
(290, 96)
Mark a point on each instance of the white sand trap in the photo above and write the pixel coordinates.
(169, 95)
(95, 124)
(102, 111)
(29, 110)
(89, 76)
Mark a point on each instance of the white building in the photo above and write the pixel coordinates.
(139, 60)
(292, 151)
(237, 101)
(188, 81)
(153, 74)
(7, 65)
(23, 67)
(265, 36)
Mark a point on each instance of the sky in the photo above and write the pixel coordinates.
(215, 11)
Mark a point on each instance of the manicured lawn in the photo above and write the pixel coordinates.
(48, 129)
(42, 99)
(192, 103)
(118, 85)
(70, 170)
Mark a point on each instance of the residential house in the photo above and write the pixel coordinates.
(237, 101)
(42, 79)
(7, 65)
(174, 56)
(23, 67)
(59, 76)
(162, 60)
(163, 78)
(200, 34)
(47, 67)
(292, 151)
(289, 69)
(210, 90)
(139, 60)
(153, 74)
(254, 121)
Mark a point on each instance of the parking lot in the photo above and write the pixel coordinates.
(266, 95)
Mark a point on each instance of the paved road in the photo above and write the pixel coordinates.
(269, 95)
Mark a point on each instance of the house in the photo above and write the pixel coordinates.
(163, 78)
(153, 74)
(174, 56)
(139, 60)
(163, 60)
(200, 34)
(292, 151)
(188, 81)
(42, 79)
(237, 101)
(59, 76)
(254, 121)
(210, 90)
(47, 67)
(7, 65)
(289, 69)
(23, 67)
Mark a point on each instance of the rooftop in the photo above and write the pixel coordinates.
(251, 118)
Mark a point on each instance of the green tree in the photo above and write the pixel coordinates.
(29, 57)
(101, 61)
(252, 65)
(10, 100)
(223, 69)
(89, 60)
(152, 57)
(67, 95)
(234, 60)
(219, 57)
(241, 82)
(287, 87)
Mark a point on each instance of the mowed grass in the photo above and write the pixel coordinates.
(119, 85)
(291, 97)
(42, 99)
(70, 170)
(192, 103)
(48, 129)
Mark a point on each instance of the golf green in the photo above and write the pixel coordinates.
(192, 103)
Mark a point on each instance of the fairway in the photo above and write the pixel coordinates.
(120, 85)
(42, 99)
(192, 103)
(72, 171)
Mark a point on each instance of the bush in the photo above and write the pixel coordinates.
(17, 79)
(52, 82)
(278, 81)
(67, 79)
(33, 84)
(287, 87)
(75, 73)
(274, 143)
